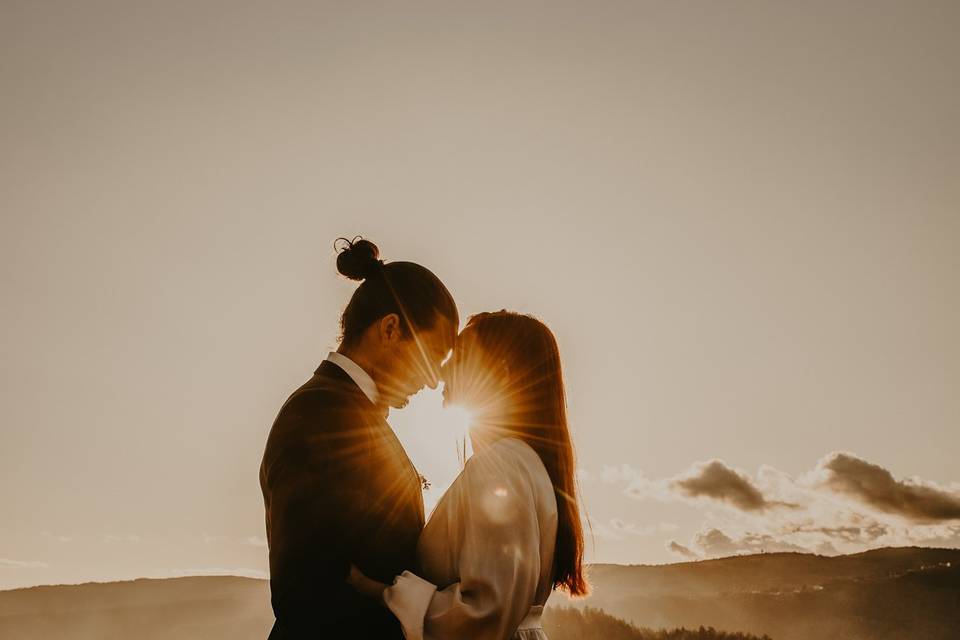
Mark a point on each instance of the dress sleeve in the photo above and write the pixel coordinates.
(495, 538)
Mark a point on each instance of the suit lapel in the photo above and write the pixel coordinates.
(381, 434)
(388, 439)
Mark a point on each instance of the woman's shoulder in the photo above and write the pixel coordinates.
(514, 447)
(509, 448)
(508, 457)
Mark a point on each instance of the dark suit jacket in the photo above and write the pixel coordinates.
(338, 488)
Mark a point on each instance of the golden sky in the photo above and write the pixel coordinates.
(741, 219)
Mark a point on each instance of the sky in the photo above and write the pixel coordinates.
(741, 220)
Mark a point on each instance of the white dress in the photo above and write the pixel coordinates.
(486, 554)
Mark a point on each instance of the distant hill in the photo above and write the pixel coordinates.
(879, 595)
(903, 593)
(193, 608)
(764, 571)
(563, 623)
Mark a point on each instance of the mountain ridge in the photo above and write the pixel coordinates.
(703, 561)
(881, 594)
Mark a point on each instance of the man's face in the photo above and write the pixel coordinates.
(413, 362)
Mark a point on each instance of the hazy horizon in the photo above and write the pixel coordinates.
(780, 596)
(563, 599)
(741, 220)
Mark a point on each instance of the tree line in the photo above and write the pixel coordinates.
(595, 624)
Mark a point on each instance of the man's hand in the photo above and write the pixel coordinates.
(356, 577)
(364, 585)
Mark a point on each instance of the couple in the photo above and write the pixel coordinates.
(350, 556)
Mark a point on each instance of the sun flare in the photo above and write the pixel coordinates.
(459, 420)
(435, 437)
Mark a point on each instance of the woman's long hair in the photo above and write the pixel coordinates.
(535, 411)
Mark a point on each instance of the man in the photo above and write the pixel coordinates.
(338, 488)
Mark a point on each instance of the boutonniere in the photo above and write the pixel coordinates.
(424, 483)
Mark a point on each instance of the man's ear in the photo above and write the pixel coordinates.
(390, 329)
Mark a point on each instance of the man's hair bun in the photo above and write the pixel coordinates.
(357, 259)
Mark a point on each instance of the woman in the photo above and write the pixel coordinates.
(508, 531)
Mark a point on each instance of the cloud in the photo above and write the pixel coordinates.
(843, 505)
(716, 543)
(623, 473)
(681, 550)
(113, 539)
(630, 528)
(250, 541)
(209, 539)
(938, 536)
(603, 531)
(711, 480)
(636, 485)
(716, 481)
(255, 541)
(826, 548)
(857, 534)
(23, 564)
(872, 485)
(55, 538)
(618, 529)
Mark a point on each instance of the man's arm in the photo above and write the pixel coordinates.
(316, 482)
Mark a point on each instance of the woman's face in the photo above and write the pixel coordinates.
(473, 379)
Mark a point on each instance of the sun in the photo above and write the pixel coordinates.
(459, 420)
(436, 438)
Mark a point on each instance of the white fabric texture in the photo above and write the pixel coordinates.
(360, 377)
(486, 554)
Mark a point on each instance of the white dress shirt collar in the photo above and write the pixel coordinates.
(357, 374)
